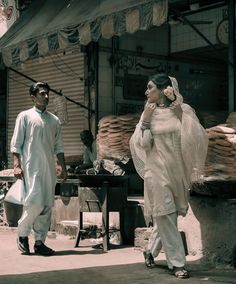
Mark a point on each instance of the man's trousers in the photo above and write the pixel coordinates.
(35, 217)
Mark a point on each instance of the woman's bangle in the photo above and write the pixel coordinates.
(151, 105)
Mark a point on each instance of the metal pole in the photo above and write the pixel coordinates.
(231, 58)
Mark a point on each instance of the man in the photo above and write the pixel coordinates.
(90, 152)
(36, 138)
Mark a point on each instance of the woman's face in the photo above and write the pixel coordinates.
(152, 93)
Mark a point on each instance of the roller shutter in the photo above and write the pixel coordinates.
(62, 71)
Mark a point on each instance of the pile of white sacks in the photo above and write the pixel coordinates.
(221, 157)
(114, 134)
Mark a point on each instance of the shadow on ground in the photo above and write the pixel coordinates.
(132, 273)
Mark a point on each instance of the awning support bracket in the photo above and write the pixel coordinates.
(200, 33)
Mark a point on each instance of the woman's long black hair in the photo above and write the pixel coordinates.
(161, 80)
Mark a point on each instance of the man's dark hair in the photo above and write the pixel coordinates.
(86, 134)
(35, 87)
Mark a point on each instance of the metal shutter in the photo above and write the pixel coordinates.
(62, 71)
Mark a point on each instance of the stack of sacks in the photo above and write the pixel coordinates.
(221, 157)
(114, 134)
(7, 173)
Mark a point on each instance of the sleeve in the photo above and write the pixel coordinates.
(140, 142)
(94, 150)
(58, 148)
(18, 137)
(145, 139)
(86, 158)
(194, 143)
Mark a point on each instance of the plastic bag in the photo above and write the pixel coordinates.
(16, 192)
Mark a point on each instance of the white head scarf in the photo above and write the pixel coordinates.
(179, 98)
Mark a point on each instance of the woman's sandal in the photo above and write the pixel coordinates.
(180, 272)
(149, 259)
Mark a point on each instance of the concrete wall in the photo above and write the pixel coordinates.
(210, 228)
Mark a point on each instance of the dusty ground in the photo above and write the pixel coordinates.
(89, 264)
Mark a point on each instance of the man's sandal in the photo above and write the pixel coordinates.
(180, 272)
(149, 259)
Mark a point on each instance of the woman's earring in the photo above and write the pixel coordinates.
(162, 101)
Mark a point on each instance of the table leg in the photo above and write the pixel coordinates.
(105, 217)
(78, 234)
(124, 238)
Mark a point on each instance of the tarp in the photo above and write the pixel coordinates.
(50, 25)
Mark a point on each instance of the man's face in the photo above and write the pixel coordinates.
(41, 99)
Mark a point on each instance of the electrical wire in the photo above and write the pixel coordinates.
(67, 65)
(17, 81)
(62, 71)
(73, 74)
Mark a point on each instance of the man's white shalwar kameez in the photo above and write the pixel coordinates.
(37, 138)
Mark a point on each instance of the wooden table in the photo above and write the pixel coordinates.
(102, 193)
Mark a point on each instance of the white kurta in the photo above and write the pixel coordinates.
(90, 157)
(160, 153)
(37, 137)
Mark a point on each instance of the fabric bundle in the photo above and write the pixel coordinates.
(60, 108)
(221, 157)
(114, 134)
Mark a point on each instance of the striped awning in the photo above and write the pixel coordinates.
(57, 24)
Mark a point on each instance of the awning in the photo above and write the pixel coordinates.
(56, 24)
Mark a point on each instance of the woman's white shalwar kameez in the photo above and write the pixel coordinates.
(166, 156)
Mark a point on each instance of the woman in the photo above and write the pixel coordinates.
(168, 147)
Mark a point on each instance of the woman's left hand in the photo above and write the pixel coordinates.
(169, 93)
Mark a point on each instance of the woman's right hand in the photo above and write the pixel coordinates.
(148, 111)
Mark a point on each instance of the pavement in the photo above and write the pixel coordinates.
(89, 264)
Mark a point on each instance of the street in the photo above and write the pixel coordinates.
(88, 264)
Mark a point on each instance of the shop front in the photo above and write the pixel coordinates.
(101, 56)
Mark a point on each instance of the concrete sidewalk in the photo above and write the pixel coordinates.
(89, 264)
